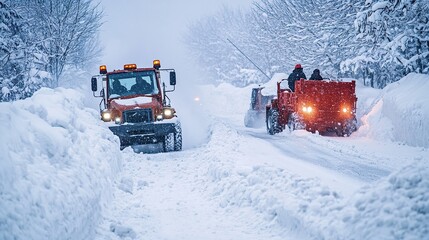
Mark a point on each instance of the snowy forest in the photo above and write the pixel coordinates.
(377, 41)
(40, 40)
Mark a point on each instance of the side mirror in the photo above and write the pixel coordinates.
(172, 78)
(94, 84)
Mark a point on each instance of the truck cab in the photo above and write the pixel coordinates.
(135, 103)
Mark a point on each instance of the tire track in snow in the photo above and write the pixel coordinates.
(164, 196)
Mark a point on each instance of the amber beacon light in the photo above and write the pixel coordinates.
(156, 64)
(103, 69)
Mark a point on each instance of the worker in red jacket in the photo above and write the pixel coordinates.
(296, 74)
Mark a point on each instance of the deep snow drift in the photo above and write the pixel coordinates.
(57, 164)
(59, 167)
(401, 113)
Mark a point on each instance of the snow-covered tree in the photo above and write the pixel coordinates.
(209, 40)
(317, 34)
(379, 41)
(64, 32)
(18, 76)
(394, 35)
(276, 35)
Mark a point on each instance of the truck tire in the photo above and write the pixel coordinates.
(168, 144)
(349, 127)
(272, 121)
(178, 137)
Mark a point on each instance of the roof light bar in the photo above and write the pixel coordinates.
(130, 66)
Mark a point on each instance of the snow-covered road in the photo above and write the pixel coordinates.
(164, 196)
(245, 184)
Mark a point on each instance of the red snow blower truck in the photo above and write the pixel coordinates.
(323, 106)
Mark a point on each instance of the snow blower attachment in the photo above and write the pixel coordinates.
(137, 108)
(323, 106)
(255, 115)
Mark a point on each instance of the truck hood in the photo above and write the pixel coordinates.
(133, 103)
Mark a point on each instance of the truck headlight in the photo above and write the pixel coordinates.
(106, 116)
(307, 109)
(168, 113)
(345, 110)
(117, 120)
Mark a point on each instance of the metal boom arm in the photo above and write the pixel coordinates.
(248, 59)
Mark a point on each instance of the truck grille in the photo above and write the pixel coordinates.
(138, 116)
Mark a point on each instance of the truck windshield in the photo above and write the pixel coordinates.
(132, 83)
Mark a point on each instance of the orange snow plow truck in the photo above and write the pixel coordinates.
(323, 106)
(135, 104)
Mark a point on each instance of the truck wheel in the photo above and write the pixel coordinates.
(168, 143)
(339, 132)
(350, 126)
(178, 137)
(272, 122)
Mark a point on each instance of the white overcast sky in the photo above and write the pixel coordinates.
(138, 31)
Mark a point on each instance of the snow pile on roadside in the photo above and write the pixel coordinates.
(281, 198)
(270, 87)
(402, 113)
(56, 167)
(395, 208)
(367, 98)
(226, 100)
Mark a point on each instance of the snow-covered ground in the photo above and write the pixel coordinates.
(63, 177)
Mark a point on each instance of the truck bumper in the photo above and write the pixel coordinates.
(142, 133)
(343, 125)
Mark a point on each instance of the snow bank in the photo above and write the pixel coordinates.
(283, 199)
(226, 100)
(233, 102)
(395, 208)
(367, 98)
(270, 88)
(402, 113)
(56, 167)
